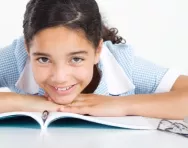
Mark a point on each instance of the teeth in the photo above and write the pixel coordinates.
(63, 89)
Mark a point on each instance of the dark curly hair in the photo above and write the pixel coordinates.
(73, 14)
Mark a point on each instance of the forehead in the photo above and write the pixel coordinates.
(60, 38)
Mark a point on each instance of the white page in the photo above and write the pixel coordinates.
(132, 122)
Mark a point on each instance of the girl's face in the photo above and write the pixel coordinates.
(62, 62)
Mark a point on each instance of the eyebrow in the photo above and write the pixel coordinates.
(41, 54)
(77, 52)
(69, 54)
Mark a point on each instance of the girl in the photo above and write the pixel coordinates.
(69, 61)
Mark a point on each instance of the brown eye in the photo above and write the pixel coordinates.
(43, 60)
(76, 60)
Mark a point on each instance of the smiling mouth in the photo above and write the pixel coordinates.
(64, 90)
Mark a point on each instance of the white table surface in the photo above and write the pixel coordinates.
(77, 137)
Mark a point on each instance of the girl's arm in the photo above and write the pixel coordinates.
(170, 105)
(10, 102)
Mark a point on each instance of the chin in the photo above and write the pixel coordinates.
(64, 101)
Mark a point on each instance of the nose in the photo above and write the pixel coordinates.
(60, 73)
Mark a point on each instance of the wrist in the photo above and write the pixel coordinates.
(128, 105)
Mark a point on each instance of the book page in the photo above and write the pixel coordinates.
(34, 115)
(131, 122)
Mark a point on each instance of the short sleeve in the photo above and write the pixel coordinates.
(147, 76)
(8, 66)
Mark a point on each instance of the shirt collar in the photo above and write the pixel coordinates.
(113, 79)
(26, 81)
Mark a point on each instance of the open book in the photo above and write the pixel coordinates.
(130, 122)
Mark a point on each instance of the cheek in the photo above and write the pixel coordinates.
(84, 74)
(40, 74)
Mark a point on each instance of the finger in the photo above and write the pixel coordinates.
(49, 99)
(80, 98)
(76, 109)
(77, 103)
(46, 95)
(83, 97)
(50, 106)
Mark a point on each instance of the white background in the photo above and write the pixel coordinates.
(157, 29)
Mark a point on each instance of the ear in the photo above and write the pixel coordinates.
(98, 51)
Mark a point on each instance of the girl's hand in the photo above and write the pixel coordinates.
(37, 104)
(97, 105)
